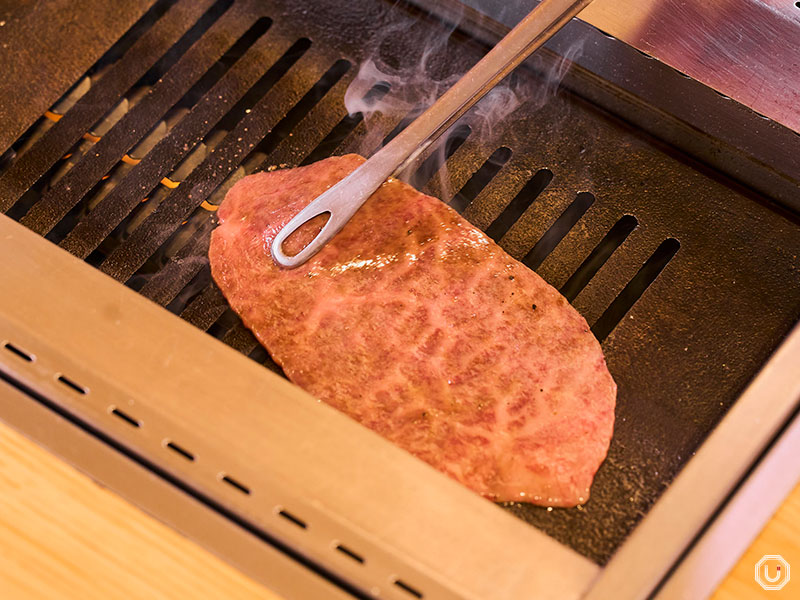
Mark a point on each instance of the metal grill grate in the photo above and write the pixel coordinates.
(688, 279)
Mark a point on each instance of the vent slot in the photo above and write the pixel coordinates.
(186, 41)
(521, 202)
(407, 588)
(293, 519)
(568, 219)
(598, 257)
(646, 275)
(286, 125)
(480, 179)
(18, 351)
(179, 450)
(349, 553)
(223, 324)
(275, 73)
(346, 126)
(404, 122)
(235, 484)
(441, 154)
(72, 385)
(125, 417)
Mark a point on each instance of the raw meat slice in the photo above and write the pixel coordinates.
(418, 326)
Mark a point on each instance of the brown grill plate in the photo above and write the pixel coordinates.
(688, 280)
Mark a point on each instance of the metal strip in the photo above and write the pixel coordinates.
(655, 96)
(241, 422)
(741, 48)
(705, 481)
(164, 501)
(740, 522)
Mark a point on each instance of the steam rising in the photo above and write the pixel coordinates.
(419, 78)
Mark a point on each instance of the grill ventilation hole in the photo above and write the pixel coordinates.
(18, 351)
(347, 552)
(178, 49)
(293, 519)
(480, 179)
(265, 84)
(285, 126)
(407, 588)
(519, 204)
(404, 122)
(598, 257)
(441, 153)
(235, 484)
(345, 127)
(72, 385)
(125, 417)
(179, 450)
(636, 287)
(568, 219)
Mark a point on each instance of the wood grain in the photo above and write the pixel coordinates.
(64, 536)
(780, 536)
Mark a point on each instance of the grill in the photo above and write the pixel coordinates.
(687, 272)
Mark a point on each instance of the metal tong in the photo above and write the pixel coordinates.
(343, 199)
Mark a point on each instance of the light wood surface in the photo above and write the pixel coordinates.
(780, 536)
(64, 536)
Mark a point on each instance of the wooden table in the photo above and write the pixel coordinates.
(64, 536)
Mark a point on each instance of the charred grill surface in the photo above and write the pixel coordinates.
(688, 280)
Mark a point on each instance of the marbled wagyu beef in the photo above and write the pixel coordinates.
(418, 326)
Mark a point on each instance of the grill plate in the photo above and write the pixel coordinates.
(680, 355)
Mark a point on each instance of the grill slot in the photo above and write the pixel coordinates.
(125, 417)
(293, 519)
(18, 352)
(139, 58)
(521, 202)
(345, 127)
(179, 450)
(568, 219)
(635, 288)
(347, 552)
(601, 211)
(76, 387)
(181, 269)
(480, 179)
(235, 484)
(612, 240)
(156, 165)
(203, 180)
(407, 588)
(442, 152)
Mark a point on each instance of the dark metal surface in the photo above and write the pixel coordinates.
(659, 99)
(45, 46)
(689, 280)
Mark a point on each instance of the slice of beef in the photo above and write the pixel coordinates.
(418, 326)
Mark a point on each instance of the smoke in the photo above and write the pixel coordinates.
(418, 65)
(551, 69)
